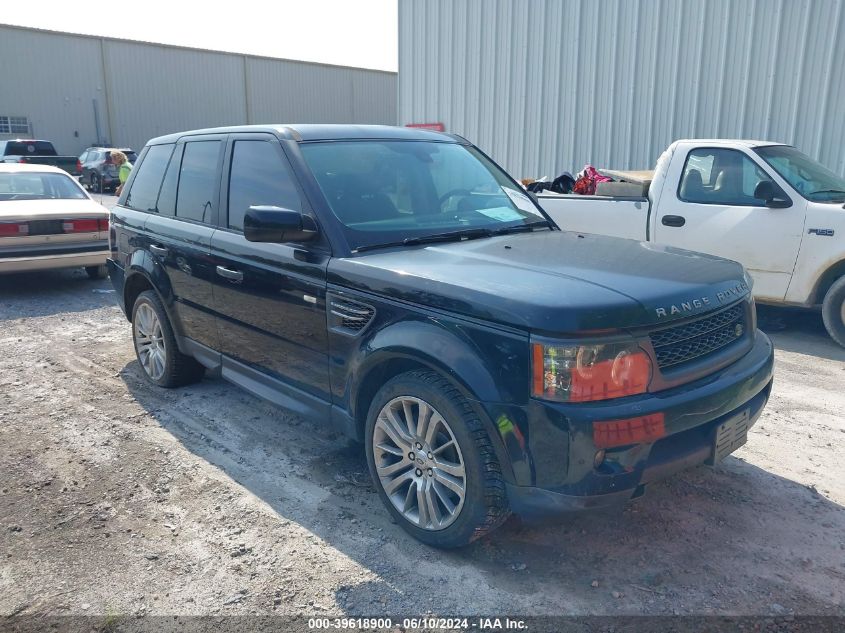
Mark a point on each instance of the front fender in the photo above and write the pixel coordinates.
(487, 366)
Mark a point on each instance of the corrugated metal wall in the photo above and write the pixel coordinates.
(145, 90)
(549, 85)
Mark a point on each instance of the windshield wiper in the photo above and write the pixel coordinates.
(812, 193)
(523, 228)
(451, 236)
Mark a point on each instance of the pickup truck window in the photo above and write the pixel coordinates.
(197, 180)
(810, 178)
(38, 186)
(388, 191)
(258, 176)
(719, 176)
(145, 187)
(30, 148)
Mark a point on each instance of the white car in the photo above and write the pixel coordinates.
(48, 221)
(766, 205)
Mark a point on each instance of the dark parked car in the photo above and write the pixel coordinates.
(36, 152)
(97, 170)
(399, 285)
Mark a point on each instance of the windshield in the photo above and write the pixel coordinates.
(38, 186)
(810, 178)
(388, 191)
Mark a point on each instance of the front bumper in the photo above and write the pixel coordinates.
(51, 262)
(550, 447)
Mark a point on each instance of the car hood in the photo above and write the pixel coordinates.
(553, 282)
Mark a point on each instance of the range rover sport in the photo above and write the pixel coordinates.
(399, 285)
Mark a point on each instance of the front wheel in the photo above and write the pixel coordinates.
(833, 311)
(432, 461)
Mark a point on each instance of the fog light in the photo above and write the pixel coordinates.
(598, 459)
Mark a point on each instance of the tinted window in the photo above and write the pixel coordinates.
(167, 197)
(258, 175)
(197, 181)
(144, 192)
(31, 148)
(721, 176)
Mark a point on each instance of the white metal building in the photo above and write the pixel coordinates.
(77, 90)
(546, 86)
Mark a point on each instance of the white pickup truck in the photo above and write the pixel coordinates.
(766, 205)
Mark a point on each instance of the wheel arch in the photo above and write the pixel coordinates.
(386, 363)
(144, 273)
(826, 280)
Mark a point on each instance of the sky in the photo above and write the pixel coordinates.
(359, 33)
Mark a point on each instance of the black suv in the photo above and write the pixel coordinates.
(96, 169)
(397, 284)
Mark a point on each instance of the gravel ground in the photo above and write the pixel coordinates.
(120, 498)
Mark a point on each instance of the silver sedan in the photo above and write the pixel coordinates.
(48, 221)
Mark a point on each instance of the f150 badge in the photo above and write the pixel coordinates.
(694, 305)
(821, 232)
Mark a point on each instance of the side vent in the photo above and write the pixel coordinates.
(349, 317)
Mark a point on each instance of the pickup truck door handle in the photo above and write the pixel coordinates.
(673, 220)
(232, 275)
(158, 250)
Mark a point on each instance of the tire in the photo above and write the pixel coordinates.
(833, 311)
(96, 185)
(483, 506)
(97, 272)
(155, 345)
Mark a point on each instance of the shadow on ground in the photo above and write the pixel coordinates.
(44, 293)
(798, 330)
(734, 539)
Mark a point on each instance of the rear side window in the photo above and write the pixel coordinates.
(147, 183)
(197, 181)
(167, 196)
(258, 176)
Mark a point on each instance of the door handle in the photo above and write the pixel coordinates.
(158, 250)
(673, 220)
(232, 275)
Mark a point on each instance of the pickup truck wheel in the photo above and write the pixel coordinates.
(97, 272)
(432, 461)
(833, 311)
(155, 345)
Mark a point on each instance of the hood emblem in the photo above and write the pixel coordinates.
(695, 305)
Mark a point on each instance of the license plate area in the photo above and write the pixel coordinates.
(729, 436)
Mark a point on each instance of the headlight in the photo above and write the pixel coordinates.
(582, 373)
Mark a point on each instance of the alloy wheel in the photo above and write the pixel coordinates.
(419, 463)
(149, 341)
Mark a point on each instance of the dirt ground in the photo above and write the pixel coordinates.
(120, 498)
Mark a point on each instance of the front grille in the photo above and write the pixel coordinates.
(695, 339)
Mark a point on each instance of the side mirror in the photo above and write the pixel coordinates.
(276, 224)
(771, 194)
